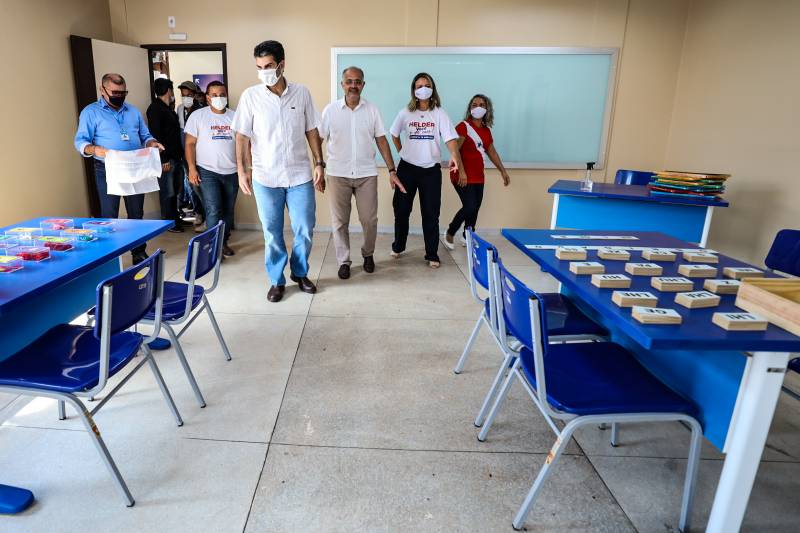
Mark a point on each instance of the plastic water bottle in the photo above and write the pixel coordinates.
(587, 183)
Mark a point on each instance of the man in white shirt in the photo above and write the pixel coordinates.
(211, 158)
(272, 123)
(352, 126)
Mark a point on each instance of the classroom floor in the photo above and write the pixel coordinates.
(340, 412)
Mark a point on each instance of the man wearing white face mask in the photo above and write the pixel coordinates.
(188, 104)
(274, 121)
(211, 158)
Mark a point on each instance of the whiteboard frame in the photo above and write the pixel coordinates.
(501, 50)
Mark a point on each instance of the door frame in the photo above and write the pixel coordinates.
(195, 47)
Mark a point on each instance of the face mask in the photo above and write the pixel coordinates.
(269, 76)
(171, 99)
(116, 101)
(423, 93)
(477, 112)
(187, 101)
(219, 102)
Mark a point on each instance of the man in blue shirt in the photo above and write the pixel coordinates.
(111, 124)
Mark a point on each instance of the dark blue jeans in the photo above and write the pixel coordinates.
(169, 184)
(109, 203)
(219, 197)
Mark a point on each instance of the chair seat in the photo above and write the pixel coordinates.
(175, 301)
(67, 359)
(602, 378)
(563, 317)
(794, 364)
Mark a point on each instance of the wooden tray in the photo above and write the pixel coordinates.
(776, 299)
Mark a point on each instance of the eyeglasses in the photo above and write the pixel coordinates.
(116, 93)
(357, 83)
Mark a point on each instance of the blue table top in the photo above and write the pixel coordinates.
(627, 192)
(697, 332)
(37, 278)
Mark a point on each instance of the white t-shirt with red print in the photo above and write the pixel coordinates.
(216, 141)
(423, 132)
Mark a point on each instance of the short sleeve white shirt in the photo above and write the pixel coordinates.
(277, 126)
(216, 145)
(351, 134)
(423, 131)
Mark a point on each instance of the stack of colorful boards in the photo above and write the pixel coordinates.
(688, 184)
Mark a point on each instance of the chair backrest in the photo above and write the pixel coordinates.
(523, 314)
(632, 177)
(205, 253)
(784, 254)
(125, 298)
(478, 250)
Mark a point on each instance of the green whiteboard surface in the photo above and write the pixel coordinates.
(552, 106)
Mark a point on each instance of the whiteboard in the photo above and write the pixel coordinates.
(552, 106)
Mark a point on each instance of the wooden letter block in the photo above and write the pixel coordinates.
(742, 272)
(614, 254)
(586, 267)
(697, 271)
(672, 284)
(631, 298)
(571, 252)
(697, 299)
(722, 286)
(658, 254)
(611, 281)
(700, 257)
(644, 269)
(656, 315)
(739, 321)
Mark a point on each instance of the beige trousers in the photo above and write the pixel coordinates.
(340, 192)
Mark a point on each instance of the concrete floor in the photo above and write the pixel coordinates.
(340, 412)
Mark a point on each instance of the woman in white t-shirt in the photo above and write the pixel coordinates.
(425, 124)
(211, 158)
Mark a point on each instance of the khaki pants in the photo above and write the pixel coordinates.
(340, 192)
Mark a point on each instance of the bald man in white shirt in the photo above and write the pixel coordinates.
(353, 127)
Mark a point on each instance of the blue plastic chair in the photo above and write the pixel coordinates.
(567, 322)
(582, 383)
(181, 300)
(784, 256)
(632, 177)
(69, 361)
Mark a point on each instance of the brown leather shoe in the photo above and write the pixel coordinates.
(275, 293)
(227, 251)
(369, 264)
(344, 271)
(304, 283)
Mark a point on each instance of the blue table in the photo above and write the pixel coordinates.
(630, 207)
(736, 394)
(57, 290)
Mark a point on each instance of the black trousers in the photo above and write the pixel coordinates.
(471, 197)
(428, 181)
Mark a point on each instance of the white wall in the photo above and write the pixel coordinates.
(182, 65)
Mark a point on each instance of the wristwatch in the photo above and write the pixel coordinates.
(392, 170)
(320, 164)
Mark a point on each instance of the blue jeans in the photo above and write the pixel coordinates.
(219, 195)
(301, 203)
(169, 183)
(109, 203)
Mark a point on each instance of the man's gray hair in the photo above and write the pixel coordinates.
(113, 78)
(361, 72)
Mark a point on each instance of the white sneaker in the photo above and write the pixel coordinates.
(462, 240)
(447, 240)
(201, 228)
(394, 254)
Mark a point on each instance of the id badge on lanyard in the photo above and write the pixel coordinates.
(124, 136)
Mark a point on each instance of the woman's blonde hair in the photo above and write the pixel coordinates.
(435, 101)
(488, 118)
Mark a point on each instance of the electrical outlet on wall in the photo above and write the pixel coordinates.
(171, 22)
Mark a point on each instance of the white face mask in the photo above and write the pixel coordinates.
(477, 112)
(171, 99)
(219, 102)
(269, 76)
(423, 93)
(187, 101)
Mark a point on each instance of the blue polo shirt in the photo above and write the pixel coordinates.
(102, 125)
